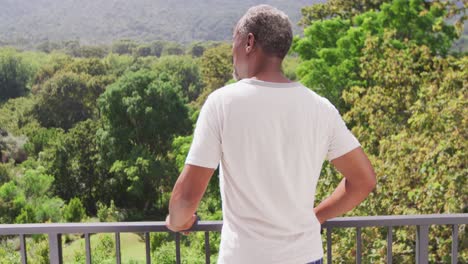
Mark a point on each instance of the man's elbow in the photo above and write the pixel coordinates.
(371, 182)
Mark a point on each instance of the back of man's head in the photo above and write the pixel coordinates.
(271, 28)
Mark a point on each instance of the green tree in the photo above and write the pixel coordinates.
(94, 51)
(410, 120)
(54, 63)
(124, 46)
(74, 159)
(183, 71)
(330, 49)
(12, 200)
(143, 50)
(64, 100)
(216, 69)
(157, 48)
(173, 48)
(16, 114)
(197, 49)
(118, 64)
(142, 113)
(73, 211)
(14, 74)
(36, 186)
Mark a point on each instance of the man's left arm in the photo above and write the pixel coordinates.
(186, 195)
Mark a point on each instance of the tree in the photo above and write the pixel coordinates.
(124, 46)
(338, 8)
(330, 49)
(142, 113)
(347, 9)
(94, 51)
(55, 62)
(12, 200)
(197, 50)
(74, 160)
(216, 69)
(157, 48)
(73, 211)
(183, 71)
(143, 50)
(14, 74)
(409, 121)
(64, 100)
(173, 48)
(48, 46)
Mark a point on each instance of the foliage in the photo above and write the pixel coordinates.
(330, 49)
(73, 211)
(12, 201)
(8, 254)
(65, 90)
(124, 46)
(12, 147)
(103, 252)
(216, 69)
(108, 213)
(14, 74)
(183, 71)
(142, 113)
(338, 8)
(75, 161)
(16, 114)
(411, 120)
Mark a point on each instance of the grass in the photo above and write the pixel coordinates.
(132, 247)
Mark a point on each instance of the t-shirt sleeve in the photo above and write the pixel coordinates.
(205, 150)
(341, 140)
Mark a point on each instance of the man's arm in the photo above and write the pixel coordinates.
(359, 180)
(186, 195)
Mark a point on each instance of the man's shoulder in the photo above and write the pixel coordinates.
(227, 89)
(235, 90)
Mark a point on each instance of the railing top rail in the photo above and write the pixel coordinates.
(397, 220)
(121, 227)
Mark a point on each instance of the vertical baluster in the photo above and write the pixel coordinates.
(177, 241)
(329, 244)
(148, 248)
(117, 248)
(24, 253)
(454, 244)
(88, 248)
(422, 244)
(55, 248)
(358, 245)
(389, 245)
(207, 247)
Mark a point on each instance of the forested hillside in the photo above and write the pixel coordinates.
(29, 22)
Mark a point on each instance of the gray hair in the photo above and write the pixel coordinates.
(271, 28)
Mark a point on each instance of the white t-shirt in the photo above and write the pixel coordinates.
(271, 140)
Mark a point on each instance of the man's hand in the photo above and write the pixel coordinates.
(186, 196)
(186, 226)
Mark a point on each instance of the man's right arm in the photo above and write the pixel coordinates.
(359, 180)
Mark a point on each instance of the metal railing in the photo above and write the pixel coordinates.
(55, 231)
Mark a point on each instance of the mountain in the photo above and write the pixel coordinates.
(26, 22)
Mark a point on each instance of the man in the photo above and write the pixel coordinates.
(271, 136)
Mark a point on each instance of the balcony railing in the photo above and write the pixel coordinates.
(55, 231)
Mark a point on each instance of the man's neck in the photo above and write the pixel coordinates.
(270, 71)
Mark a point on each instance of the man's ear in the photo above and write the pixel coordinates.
(250, 43)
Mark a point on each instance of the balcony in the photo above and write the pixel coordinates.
(421, 222)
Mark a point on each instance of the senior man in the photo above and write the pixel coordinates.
(271, 137)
